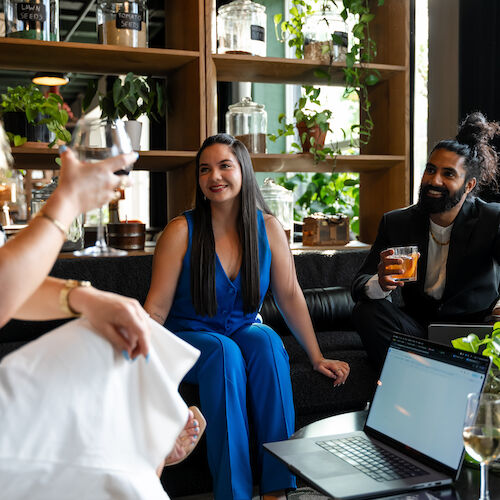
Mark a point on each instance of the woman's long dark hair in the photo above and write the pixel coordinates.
(473, 144)
(203, 244)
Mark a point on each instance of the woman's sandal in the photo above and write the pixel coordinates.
(185, 441)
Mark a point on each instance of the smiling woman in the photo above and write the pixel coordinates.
(212, 269)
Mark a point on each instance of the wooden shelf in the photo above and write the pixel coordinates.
(303, 163)
(43, 158)
(32, 55)
(241, 68)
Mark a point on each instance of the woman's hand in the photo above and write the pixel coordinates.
(91, 185)
(121, 320)
(338, 370)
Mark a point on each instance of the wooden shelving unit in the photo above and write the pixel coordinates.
(383, 164)
(192, 71)
(90, 58)
(35, 158)
(234, 68)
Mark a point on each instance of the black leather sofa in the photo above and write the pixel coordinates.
(325, 279)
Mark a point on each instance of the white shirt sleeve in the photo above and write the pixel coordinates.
(373, 289)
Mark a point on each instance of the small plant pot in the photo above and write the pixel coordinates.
(315, 132)
(133, 129)
(17, 124)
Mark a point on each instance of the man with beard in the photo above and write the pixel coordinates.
(458, 237)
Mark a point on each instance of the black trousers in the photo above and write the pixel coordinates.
(377, 320)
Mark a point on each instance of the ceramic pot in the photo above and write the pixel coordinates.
(315, 132)
(127, 235)
(134, 129)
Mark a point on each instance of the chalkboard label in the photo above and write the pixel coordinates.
(129, 21)
(31, 12)
(257, 33)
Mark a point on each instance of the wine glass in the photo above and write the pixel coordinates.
(482, 433)
(94, 140)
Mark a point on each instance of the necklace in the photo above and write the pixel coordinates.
(437, 241)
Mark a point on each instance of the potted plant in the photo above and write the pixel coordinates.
(29, 115)
(489, 346)
(331, 194)
(362, 50)
(131, 98)
(311, 125)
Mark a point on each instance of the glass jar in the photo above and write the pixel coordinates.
(241, 28)
(247, 121)
(33, 19)
(122, 22)
(74, 236)
(280, 201)
(326, 37)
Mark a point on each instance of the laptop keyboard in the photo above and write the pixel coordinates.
(374, 461)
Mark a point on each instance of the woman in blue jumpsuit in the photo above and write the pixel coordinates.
(211, 271)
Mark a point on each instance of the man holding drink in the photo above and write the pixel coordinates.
(457, 274)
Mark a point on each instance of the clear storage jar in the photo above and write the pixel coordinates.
(326, 37)
(280, 201)
(32, 19)
(122, 22)
(74, 236)
(241, 28)
(247, 121)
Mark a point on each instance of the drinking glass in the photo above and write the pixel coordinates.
(409, 256)
(482, 433)
(94, 140)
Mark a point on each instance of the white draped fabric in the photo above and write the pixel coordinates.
(78, 421)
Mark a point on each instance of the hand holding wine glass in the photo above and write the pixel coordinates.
(95, 140)
(482, 433)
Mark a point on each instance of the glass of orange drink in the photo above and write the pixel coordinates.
(409, 256)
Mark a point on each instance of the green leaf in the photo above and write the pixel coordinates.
(278, 18)
(90, 93)
(371, 79)
(19, 141)
(117, 92)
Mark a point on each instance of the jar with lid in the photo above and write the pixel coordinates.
(247, 121)
(122, 22)
(280, 201)
(326, 37)
(74, 236)
(241, 28)
(32, 19)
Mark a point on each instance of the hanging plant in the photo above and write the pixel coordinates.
(363, 50)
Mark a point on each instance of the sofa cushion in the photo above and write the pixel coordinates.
(329, 307)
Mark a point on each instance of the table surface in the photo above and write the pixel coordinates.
(465, 488)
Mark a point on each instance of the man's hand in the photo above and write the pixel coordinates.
(387, 268)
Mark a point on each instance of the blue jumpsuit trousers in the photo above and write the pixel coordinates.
(249, 366)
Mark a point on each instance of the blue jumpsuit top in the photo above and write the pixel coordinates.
(230, 316)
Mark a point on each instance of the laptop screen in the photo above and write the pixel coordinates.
(422, 394)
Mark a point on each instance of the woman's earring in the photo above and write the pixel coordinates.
(204, 198)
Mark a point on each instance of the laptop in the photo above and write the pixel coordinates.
(414, 423)
(444, 333)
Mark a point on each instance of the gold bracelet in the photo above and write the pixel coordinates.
(70, 285)
(56, 223)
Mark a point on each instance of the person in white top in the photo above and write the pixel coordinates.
(458, 238)
(80, 420)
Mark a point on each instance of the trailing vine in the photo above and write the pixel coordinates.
(363, 50)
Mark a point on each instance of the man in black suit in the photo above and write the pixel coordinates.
(458, 237)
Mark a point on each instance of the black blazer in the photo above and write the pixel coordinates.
(472, 268)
